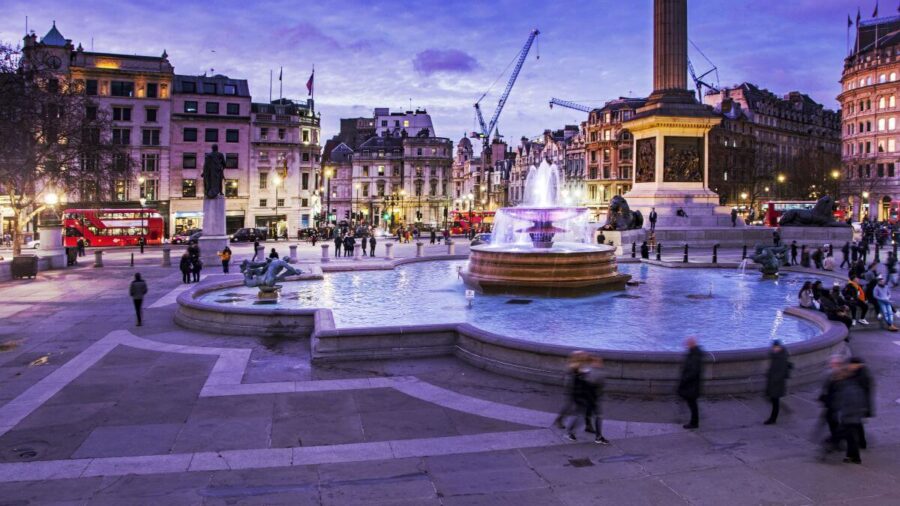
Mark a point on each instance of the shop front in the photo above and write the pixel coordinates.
(276, 225)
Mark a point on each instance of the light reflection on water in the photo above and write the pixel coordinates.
(745, 311)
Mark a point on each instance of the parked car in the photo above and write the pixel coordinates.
(481, 239)
(248, 235)
(33, 244)
(305, 233)
(184, 236)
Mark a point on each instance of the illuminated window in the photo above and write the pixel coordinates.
(892, 123)
(188, 187)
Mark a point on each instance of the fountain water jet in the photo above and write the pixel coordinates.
(542, 245)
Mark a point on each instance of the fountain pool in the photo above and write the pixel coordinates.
(668, 304)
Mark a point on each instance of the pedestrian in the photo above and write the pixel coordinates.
(273, 254)
(860, 373)
(653, 216)
(81, 246)
(338, 244)
(776, 378)
(587, 386)
(645, 250)
(225, 256)
(882, 294)
(313, 237)
(196, 267)
(817, 258)
(364, 241)
(137, 290)
(255, 249)
(807, 300)
(680, 213)
(689, 387)
(845, 251)
(776, 237)
(804, 257)
(828, 263)
(573, 363)
(601, 238)
(793, 252)
(734, 215)
(433, 236)
(828, 398)
(854, 252)
(851, 408)
(185, 266)
(372, 246)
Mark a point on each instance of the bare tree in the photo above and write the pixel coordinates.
(53, 138)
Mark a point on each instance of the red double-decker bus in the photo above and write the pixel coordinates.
(774, 209)
(112, 227)
(461, 222)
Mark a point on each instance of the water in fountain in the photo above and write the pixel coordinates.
(742, 268)
(542, 218)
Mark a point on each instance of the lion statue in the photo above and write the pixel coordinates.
(621, 217)
(821, 215)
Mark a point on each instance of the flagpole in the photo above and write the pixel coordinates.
(270, 86)
(280, 83)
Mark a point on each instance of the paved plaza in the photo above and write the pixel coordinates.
(94, 410)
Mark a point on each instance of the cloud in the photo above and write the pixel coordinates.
(431, 61)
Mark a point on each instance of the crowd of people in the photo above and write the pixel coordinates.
(851, 303)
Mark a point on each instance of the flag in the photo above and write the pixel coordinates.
(875, 13)
(280, 72)
(858, 17)
(309, 83)
(849, 21)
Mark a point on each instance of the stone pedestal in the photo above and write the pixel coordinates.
(451, 247)
(420, 249)
(213, 240)
(356, 252)
(388, 250)
(623, 239)
(293, 248)
(325, 257)
(51, 246)
(167, 256)
(98, 258)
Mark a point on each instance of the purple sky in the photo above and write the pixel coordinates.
(443, 55)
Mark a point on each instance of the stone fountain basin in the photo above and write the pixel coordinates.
(545, 213)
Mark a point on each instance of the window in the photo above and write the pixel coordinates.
(121, 113)
(150, 114)
(231, 188)
(381, 170)
(122, 88)
(281, 134)
(893, 76)
(264, 134)
(891, 101)
(365, 171)
(188, 187)
(150, 137)
(384, 122)
(149, 162)
(231, 160)
(365, 190)
(189, 160)
(881, 103)
(90, 87)
(152, 90)
(380, 187)
(304, 181)
(190, 106)
(212, 108)
(121, 136)
(231, 135)
(304, 202)
(263, 202)
(892, 145)
(190, 135)
(892, 123)
(230, 89)
(263, 180)
(209, 88)
(305, 134)
(233, 109)
(882, 78)
(189, 87)
(121, 190)
(211, 135)
(150, 189)
(279, 202)
(305, 157)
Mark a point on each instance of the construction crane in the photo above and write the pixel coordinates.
(570, 105)
(699, 83)
(487, 129)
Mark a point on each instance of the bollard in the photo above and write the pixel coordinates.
(356, 252)
(744, 253)
(325, 257)
(658, 251)
(685, 259)
(388, 250)
(167, 256)
(451, 247)
(132, 259)
(98, 258)
(293, 248)
(420, 249)
(634, 250)
(715, 253)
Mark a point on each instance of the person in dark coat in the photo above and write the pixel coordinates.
(734, 215)
(372, 243)
(433, 236)
(645, 250)
(338, 243)
(365, 245)
(804, 257)
(851, 404)
(576, 358)
(845, 251)
(860, 373)
(689, 387)
(793, 252)
(273, 254)
(185, 267)
(196, 267)
(137, 290)
(828, 398)
(653, 217)
(81, 246)
(255, 249)
(776, 378)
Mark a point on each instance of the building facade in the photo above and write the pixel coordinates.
(609, 157)
(870, 184)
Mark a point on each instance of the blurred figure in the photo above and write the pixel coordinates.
(586, 390)
(776, 378)
(689, 387)
(858, 372)
(576, 358)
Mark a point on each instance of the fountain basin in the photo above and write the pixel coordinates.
(558, 269)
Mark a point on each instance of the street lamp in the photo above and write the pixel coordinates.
(143, 202)
(276, 180)
(329, 172)
(356, 187)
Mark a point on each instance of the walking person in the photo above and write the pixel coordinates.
(196, 267)
(137, 290)
(372, 246)
(576, 358)
(793, 252)
(185, 266)
(851, 405)
(255, 249)
(81, 246)
(858, 372)
(225, 256)
(652, 217)
(804, 257)
(433, 236)
(689, 387)
(776, 378)
(734, 215)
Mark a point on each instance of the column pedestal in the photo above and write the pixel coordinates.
(213, 240)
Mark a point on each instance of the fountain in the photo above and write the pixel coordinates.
(542, 245)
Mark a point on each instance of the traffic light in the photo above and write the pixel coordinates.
(419, 215)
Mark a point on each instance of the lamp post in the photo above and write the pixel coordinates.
(276, 180)
(143, 202)
(353, 203)
(780, 179)
(471, 198)
(865, 205)
(329, 172)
